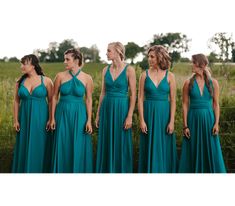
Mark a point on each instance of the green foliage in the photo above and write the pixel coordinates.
(224, 42)
(175, 43)
(132, 50)
(10, 72)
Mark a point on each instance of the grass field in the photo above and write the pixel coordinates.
(10, 72)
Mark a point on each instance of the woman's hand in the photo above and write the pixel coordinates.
(52, 124)
(128, 123)
(89, 127)
(143, 127)
(186, 132)
(17, 126)
(97, 119)
(170, 128)
(215, 129)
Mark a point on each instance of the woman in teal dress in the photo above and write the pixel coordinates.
(71, 117)
(114, 114)
(31, 118)
(201, 151)
(157, 105)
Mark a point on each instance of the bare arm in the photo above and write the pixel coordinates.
(89, 90)
(49, 86)
(216, 106)
(185, 107)
(132, 86)
(16, 108)
(172, 83)
(102, 93)
(55, 97)
(143, 126)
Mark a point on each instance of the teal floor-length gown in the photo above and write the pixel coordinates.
(202, 152)
(33, 143)
(72, 150)
(158, 152)
(114, 149)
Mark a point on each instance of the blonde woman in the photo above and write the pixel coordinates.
(114, 115)
(157, 105)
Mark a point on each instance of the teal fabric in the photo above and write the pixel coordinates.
(157, 148)
(114, 148)
(202, 152)
(33, 142)
(72, 150)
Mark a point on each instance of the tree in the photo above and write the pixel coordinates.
(52, 52)
(132, 50)
(13, 59)
(63, 46)
(90, 54)
(223, 42)
(233, 52)
(42, 55)
(175, 43)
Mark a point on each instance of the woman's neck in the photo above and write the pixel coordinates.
(118, 64)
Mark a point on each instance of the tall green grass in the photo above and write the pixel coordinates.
(10, 72)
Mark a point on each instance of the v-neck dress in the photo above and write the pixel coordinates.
(114, 147)
(158, 152)
(201, 153)
(31, 153)
(72, 149)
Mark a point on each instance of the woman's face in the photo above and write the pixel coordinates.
(195, 68)
(70, 62)
(26, 67)
(152, 59)
(111, 53)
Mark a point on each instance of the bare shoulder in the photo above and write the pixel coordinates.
(186, 82)
(130, 69)
(47, 80)
(87, 76)
(143, 74)
(17, 84)
(215, 82)
(105, 69)
(171, 76)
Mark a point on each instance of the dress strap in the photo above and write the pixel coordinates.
(23, 81)
(77, 73)
(74, 75)
(147, 72)
(42, 79)
(126, 66)
(166, 73)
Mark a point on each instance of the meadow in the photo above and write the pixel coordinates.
(10, 72)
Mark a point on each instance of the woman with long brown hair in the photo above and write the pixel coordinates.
(201, 151)
(32, 104)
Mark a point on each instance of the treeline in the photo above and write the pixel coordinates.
(221, 44)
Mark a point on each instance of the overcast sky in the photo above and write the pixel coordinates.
(31, 24)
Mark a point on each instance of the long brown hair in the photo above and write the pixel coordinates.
(33, 61)
(163, 57)
(201, 61)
